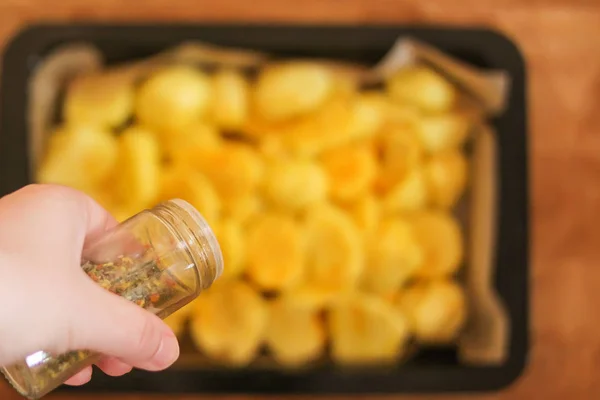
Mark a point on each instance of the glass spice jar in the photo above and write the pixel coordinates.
(160, 259)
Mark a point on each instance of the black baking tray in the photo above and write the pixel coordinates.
(431, 370)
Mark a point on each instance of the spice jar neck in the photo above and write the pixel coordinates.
(193, 231)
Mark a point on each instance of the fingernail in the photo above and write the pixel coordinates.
(168, 351)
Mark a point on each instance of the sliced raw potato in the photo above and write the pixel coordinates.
(235, 170)
(326, 128)
(409, 195)
(173, 98)
(295, 184)
(275, 252)
(79, 156)
(228, 323)
(436, 310)
(245, 208)
(365, 212)
(104, 100)
(230, 99)
(401, 153)
(422, 87)
(292, 89)
(447, 178)
(440, 236)
(193, 187)
(334, 249)
(138, 176)
(366, 330)
(295, 334)
(443, 131)
(369, 115)
(233, 245)
(191, 143)
(351, 171)
(394, 256)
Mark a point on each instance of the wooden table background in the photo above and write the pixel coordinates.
(561, 43)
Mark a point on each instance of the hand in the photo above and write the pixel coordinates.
(49, 303)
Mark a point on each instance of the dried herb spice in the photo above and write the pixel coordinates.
(143, 282)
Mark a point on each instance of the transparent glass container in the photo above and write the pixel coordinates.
(160, 259)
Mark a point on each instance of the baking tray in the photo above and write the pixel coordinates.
(432, 370)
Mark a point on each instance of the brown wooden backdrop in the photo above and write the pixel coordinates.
(561, 42)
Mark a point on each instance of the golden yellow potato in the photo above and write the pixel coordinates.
(294, 334)
(275, 252)
(334, 249)
(394, 256)
(295, 184)
(173, 98)
(230, 99)
(228, 322)
(104, 100)
(234, 169)
(409, 195)
(366, 330)
(138, 176)
(191, 143)
(443, 131)
(351, 171)
(447, 178)
(193, 187)
(369, 115)
(245, 208)
(233, 246)
(79, 156)
(365, 212)
(291, 89)
(441, 238)
(401, 152)
(436, 310)
(422, 87)
(311, 296)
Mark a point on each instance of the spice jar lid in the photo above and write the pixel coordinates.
(205, 231)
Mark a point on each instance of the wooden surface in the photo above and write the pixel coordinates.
(561, 42)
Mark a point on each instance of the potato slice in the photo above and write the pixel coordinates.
(409, 195)
(334, 249)
(366, 330)
(443, 132)
(104, 100)
(295, 184)
(422, 87)
(291, 89)
(228, 323)
(233, 245)
(230, 99)
(440, 236)
(394, 257)
(447, 178)
(294, 334)
(365, 212)
(401, 153)
(79, 156)
(138, 177)
(245, 208)
(436, 310)
(177, 320)
(351, 171)
(191, 143)
(193, 187)
(173, 98)
(234, 169)
(275, 252)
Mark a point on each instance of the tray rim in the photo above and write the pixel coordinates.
(25, 49)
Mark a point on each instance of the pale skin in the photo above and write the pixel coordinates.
(48, 301)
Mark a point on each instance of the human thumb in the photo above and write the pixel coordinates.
(108, 324)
